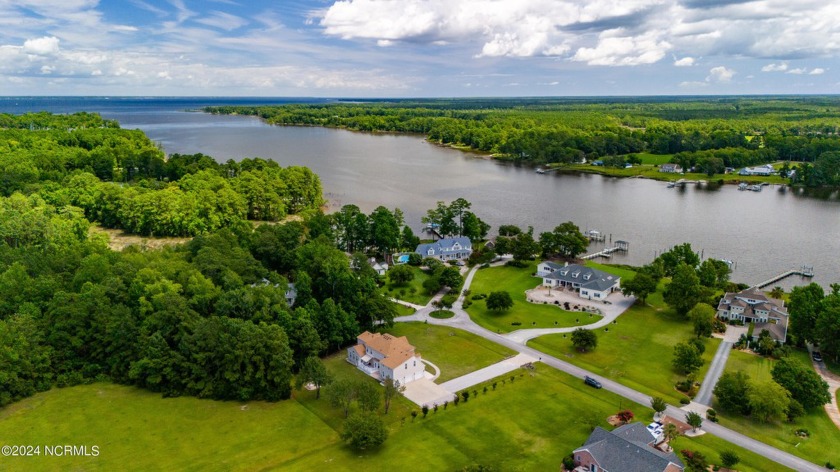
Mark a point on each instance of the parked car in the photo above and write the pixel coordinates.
(817, 356)
(591, 382)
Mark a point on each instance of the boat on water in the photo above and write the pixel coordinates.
(755, 188)
(672, 185)
(742, 186)
(540, 171)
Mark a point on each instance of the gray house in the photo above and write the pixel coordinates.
(446, 249)
(754, 306)
(590, 283)
(628, 448)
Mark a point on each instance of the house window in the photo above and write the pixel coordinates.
(415, 363)
(406, 365)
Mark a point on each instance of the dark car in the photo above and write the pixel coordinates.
(817, 356)
(591, 382)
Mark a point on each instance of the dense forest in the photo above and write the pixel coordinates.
(120, 179)
(209, 318)
(707, 133)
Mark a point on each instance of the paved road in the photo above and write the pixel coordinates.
(730, 338)
(704, 396)
(461, 320)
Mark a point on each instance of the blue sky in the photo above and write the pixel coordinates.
(418, 48)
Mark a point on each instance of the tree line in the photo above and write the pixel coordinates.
(120, 179)
(215, 317)
(740, 131)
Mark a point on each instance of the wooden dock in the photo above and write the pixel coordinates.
(804, 271)
(606, 252)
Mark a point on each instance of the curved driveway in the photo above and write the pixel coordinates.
(461, 320)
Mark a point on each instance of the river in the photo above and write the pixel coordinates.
(763, 233)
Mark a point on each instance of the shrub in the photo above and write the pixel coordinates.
(515, 323)
(685, 401)
(364, 430)
(569, 462)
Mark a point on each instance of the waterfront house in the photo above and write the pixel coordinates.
(670, 168)
(628, 448)
(446, 249)
(754, 306)
(590, 283)
(383, 356)
(765, 170)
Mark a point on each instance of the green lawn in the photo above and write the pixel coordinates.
(821, 446)
(515, 281)
(654, 159)
(139, 430)
(403, 310)
(650, 172)
(529, 424)
(454, 351)
(636, 352)
(413, 292)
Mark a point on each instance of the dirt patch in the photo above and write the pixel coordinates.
(119, 239)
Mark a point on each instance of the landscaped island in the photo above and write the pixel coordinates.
(706, 136)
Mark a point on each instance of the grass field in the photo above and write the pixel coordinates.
(515, 281)
(403, 310)
(413, 292)
(529, 424)
(636, 352)
(650, 172)
(654, 159)
(820, 447)
(454, 351)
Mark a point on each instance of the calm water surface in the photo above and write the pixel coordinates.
(764, 233)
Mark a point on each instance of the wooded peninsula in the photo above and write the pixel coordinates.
(706, 134)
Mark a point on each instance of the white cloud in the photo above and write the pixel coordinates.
(45, 46)
(817, 71)
(797, 71)
(720, 74)
(694, 84)
(755, 28)
(687, 61)
(125, 28)
(224, 21)
(623, 51)
(47, 69)
(780, 67)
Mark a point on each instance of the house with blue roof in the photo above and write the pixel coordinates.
(447, 249)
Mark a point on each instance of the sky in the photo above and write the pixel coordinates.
(418, 48)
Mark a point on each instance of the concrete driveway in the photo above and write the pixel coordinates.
(426, 392)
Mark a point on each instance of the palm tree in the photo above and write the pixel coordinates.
(670, 433)
(777, 292)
